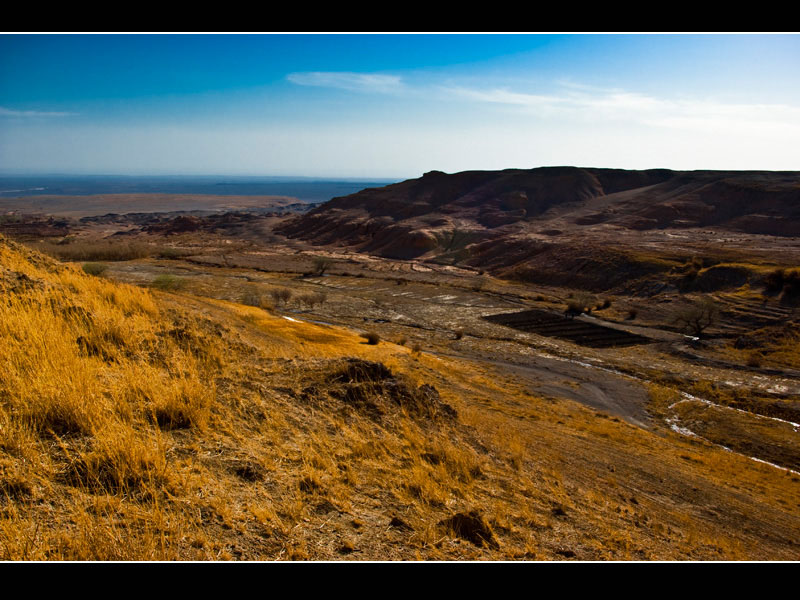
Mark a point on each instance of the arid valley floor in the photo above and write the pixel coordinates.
(218, 385)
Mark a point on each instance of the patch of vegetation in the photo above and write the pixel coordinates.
(110, 251)
(603, 305)
(280, 295)
(776, 344)
(168, 283)
(312, 299)
(372, 338)
(578, 303)
(785, 282)
(94, 268)
(172, 253)
(254, 297)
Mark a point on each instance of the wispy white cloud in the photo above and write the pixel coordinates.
(597, 104)
(574, 102)
(358, 82)
(7, 112)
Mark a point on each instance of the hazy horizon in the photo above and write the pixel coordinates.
(394, 106)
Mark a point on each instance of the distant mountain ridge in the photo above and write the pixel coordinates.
(437, 212)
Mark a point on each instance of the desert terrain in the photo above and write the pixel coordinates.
(545, 364)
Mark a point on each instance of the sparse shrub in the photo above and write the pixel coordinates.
(280, 295)
(754, 360)
(169, 282)
(251, 298)
(459, 333)
(372, 338)
(402, 341)
(255, 298)
(416, 348)
(311, 300)
(579, 303)
(784, 282)
(94, 268)
(773, 281)
(690, 270)
(632, 314)
(539, 298)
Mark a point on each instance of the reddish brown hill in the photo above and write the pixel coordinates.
(518, 217)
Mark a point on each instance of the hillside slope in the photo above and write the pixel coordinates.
(143, 425)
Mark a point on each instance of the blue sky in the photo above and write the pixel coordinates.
(396, 105)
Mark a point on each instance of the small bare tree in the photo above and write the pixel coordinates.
(699, 316)
(321, 264)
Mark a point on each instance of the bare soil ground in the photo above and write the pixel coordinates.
(448, 311)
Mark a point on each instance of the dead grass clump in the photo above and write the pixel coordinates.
(186, 403)
(372, 389)
(60, 416)
(14, 484)
(121, 460)
(471, 526)
(249, 471)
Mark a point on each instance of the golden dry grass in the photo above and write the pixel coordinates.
(141, 425)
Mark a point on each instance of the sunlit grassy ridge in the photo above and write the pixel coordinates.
(140, 424)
